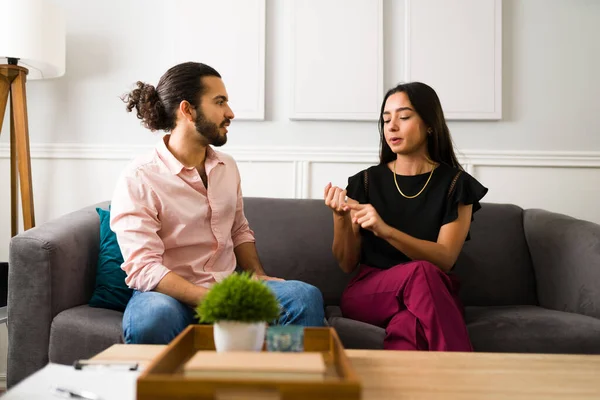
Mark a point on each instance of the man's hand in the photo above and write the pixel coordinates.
(367, 217)
(265, 278)
(179, 288)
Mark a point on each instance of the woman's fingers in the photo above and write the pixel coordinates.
(366, 222)
(335, 198)
(360, 213)
(332, 197)
(335, 201)
(354, 205)
(329, 197)
(327, 187)
(363, 215)
(341, 200)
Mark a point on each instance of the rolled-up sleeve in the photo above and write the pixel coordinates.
(134, 219)
(240, 231)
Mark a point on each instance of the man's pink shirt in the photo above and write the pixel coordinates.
(166, 220)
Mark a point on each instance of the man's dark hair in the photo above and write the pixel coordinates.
(157, 107)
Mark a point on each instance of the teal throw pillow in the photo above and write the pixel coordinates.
(110, 291)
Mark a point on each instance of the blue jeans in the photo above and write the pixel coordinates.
(155, 318)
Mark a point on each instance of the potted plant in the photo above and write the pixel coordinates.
(240, 308)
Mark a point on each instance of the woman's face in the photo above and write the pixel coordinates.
(404, 130)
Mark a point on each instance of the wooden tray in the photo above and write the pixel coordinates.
(163, 378)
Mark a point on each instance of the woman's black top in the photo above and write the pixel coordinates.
(420, 217)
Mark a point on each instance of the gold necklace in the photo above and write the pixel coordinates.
(420, 191)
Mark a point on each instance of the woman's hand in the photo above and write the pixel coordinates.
(335, 198)
(367, 217)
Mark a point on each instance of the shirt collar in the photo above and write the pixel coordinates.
(175, 166)
(212, 155)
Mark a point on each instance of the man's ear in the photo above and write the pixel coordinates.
(186, 110)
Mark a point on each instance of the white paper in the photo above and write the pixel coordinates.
(106, 383)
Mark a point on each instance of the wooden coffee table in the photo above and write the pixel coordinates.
(430, 375)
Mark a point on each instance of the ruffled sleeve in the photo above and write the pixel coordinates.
(467, 190)
(356, 188)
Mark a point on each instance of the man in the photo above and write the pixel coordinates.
(178, 211)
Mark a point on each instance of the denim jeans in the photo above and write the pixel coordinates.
(155, 318)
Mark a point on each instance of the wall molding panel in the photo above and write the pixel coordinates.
(336, 74)
(462, 61)
(243, 64)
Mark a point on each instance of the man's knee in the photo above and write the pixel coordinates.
(154, 318)
(307, 294)
(307, 304)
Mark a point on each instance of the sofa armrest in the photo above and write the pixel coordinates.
(566, 259)
(51, 268)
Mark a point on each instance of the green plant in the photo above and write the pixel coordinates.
(239, 298)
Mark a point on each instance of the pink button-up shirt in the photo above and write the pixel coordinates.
(165, 219)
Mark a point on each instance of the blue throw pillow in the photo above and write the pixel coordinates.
(110, 291)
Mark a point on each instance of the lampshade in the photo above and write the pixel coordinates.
(34, 32)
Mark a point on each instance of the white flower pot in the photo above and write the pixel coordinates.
(239, 336)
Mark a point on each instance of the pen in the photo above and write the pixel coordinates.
(127, 365)
(75, 394)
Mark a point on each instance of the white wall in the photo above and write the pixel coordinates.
(544, 152)
(81, 135)
(551, 56)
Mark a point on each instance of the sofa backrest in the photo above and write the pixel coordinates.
(495, 266)
(294, 238)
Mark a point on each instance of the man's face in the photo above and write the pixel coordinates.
(213, 114)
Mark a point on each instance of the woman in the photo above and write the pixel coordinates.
(403, 223)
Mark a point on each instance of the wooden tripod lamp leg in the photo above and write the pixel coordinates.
(21, 131)
(4, 92)
(14, 221)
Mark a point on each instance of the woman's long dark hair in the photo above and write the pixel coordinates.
(427, 104)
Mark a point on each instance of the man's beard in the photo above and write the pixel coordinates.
(211, 131)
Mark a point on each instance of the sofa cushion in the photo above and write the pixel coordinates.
(531, 329)
(110, 290)
(495, 267)
(355, 334)
(82, 332)
(294, 238)
(507, 329)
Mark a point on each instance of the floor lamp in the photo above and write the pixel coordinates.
(32, 46)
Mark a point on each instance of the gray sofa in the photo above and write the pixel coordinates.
(530, 281)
